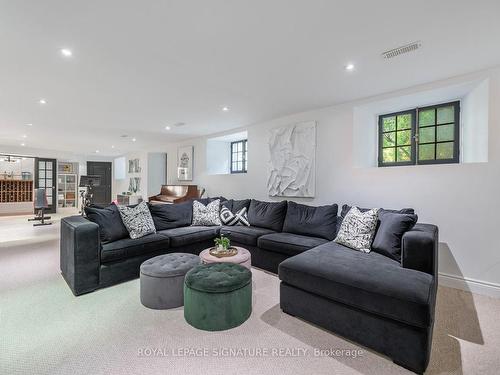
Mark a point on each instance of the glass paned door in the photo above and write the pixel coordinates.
(45, 178)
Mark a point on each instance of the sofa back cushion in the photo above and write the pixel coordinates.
(268, 215)
(236, 205)
(206, 201)
(346, 208)
(169, 216)
(391, 228)
(311, 221)
(110, 223)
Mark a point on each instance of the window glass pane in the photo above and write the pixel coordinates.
(426, 117)
(404, 153)
(445, 133)
(444, 150)
(445, 115)
(426, 152)
(48, 174)
(234, 166)
(389, 139)
(389, 123)
(389, 155)
(404, 121)
(48, 165)
(41, 174)
(404, 137)
(41, 165)
(234, 147)
(427, 135)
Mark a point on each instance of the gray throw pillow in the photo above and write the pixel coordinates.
(357, 229)
(137, 220)
(206, 215)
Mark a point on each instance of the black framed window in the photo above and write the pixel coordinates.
(239, 156)
(428, 135)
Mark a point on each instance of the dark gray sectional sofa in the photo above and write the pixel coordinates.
(384, 303)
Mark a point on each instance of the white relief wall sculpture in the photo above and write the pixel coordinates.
(293, 160)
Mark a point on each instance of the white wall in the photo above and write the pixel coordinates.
(462, 199)
(153, 174)
(157, 172)
(120, 186)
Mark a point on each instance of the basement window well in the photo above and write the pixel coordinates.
(227, 154)
(438, 126)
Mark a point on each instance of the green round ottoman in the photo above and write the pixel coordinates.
(217, 296)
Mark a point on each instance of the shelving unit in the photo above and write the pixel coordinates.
(67, 184)
(67, 190)
(16, 191)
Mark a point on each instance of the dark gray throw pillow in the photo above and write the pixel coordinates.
(391, 228)
(268, 215)
(168, 216)
(311, 221)
(110, 223)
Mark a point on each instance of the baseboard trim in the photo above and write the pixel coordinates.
(470, 285)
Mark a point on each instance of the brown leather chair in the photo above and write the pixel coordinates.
(175, 194)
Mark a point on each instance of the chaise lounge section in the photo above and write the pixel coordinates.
(369, 298)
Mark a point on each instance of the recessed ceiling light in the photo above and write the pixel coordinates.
(112, 146)
(29, 124)
(349, 67)
(25, 136)
(133, 139)
(167, 127)
(96, 151)
(225, 109)
(23, 144)
(42, 101)
(66, 52)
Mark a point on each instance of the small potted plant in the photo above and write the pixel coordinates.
(222, 243)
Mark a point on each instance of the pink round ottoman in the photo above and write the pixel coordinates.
(243, 258)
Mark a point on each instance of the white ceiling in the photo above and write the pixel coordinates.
(138, 66)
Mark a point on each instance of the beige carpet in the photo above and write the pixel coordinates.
(44, 329)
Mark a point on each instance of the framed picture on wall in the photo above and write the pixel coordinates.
(185, 163)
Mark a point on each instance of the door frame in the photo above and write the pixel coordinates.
(53, 207)
(107, 164)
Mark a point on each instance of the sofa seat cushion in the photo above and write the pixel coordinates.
(129, 247)
(288, 243)
(189, 235)
(368, 281)
(244, 235)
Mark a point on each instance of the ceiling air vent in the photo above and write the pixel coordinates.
(401, 50)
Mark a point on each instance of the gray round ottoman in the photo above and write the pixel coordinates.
(162, 279)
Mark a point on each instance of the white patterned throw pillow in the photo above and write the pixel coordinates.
(239, 218)
(137, 220)
(206, 215)
(358, 229)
